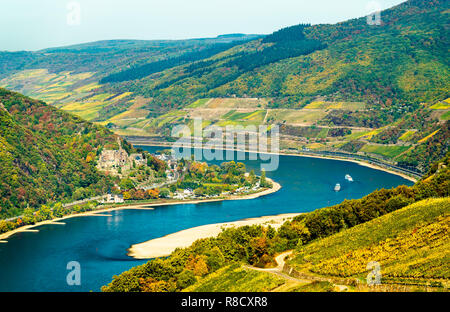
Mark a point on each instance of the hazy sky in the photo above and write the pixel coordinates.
(38, 24)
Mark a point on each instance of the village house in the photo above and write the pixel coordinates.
(113, 199)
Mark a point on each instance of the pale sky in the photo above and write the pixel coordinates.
(39, 24)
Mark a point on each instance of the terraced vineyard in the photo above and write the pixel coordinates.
(235, 278)
(411, 245)
(309, 127)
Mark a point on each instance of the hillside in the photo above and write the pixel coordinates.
(411, 245)
(343, 62)
(47, 155)
(379, 91)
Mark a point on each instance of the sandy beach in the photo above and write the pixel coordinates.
(359, 162)
(164, 246)
(100, 212)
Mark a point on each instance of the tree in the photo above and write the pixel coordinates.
(58, 210)
(252, 176)
(215, 259)
(263, 181)
(28, 216)
(126, 195)
(153, 285)
(79, 194)
(153, 193)
(45, 213)
(164, 193)
(199, 191)
(185, 279)
(126, 184)
(198, 265)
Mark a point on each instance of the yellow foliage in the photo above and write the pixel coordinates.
(428, 136)
(197, 265)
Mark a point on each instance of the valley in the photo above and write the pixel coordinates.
(147, 162)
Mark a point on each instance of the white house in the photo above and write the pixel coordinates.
(113, 199)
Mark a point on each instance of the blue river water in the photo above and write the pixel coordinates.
(37, 261)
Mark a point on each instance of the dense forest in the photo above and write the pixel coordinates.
(145, 70)
(47, 155)
(286, 43)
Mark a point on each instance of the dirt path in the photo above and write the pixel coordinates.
(279, 269)
(265, 117)
(290, 281)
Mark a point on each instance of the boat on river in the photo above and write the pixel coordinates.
(348, 178)
(337, 187)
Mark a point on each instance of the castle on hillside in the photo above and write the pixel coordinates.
(110, 159)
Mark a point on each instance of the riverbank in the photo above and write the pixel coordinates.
(164, 246)
(359, 162)
(150, 206)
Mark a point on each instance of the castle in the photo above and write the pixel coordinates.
(114, 159)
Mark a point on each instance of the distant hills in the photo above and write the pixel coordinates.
(379, 91)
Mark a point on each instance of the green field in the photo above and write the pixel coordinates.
(387, 151)
(244, 119)
(293, 116)
(407, 135)
(198, 103)
(50, 87)
(441, 105)
(353, 106)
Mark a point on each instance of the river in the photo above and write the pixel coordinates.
(37, 261)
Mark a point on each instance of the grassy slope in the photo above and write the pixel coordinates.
(409, 243)
(235, 278)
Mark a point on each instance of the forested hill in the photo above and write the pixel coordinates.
(46, 154)
(402, 62)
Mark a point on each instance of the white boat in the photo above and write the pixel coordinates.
(337, 187)
(348, 178)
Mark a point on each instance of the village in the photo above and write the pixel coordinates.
(149, 176)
